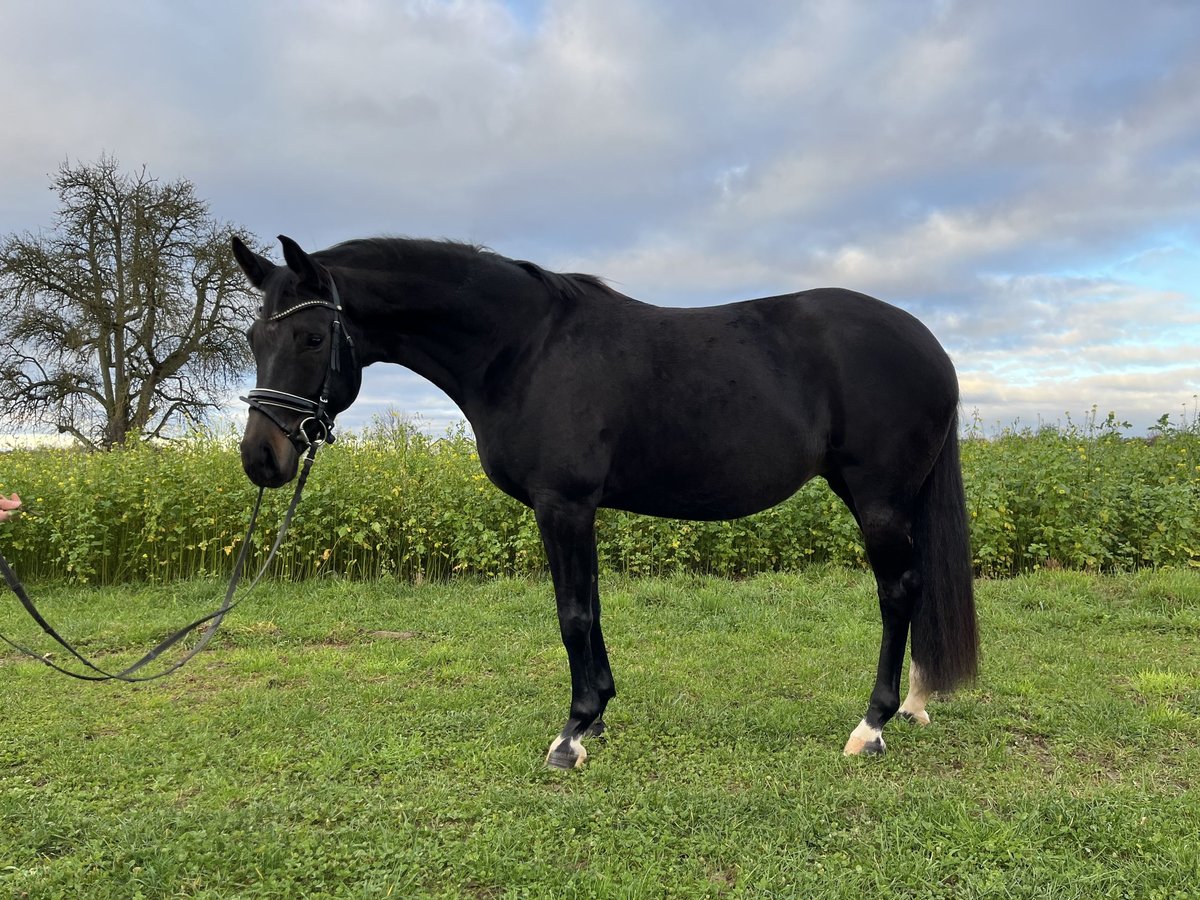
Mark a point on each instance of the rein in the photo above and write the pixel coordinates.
(263, 400)
(213, 619)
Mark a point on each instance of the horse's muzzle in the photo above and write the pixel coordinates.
(269, 462)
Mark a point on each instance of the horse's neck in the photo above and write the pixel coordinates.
(448, 333)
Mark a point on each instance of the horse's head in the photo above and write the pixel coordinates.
(307, 370)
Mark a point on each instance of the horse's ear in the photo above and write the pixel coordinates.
(301, 263)
(256, 267)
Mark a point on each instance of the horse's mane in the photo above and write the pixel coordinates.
(565, 284)
(391, 253)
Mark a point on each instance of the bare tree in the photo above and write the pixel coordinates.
(125, 318)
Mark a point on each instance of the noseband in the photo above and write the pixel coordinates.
(315, 426)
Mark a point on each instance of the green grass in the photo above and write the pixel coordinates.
(306, 755)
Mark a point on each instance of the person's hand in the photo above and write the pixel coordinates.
(7, 504)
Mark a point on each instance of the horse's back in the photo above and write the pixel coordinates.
(798, 360)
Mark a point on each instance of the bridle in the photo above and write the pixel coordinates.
(265, 400)
(313, 412)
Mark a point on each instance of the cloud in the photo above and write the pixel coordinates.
(1023, 176)
(1045, 347)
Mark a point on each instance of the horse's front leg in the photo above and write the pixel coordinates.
(569, 534)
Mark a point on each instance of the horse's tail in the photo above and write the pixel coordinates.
(945, 632)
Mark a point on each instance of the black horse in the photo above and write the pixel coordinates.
(581, 397)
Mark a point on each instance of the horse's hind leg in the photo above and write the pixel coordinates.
(913, 708)
(887, 531)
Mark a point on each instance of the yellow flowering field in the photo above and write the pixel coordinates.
(395, 502)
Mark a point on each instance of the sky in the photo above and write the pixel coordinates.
(1022, 176)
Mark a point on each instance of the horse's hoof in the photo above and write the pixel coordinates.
(566, 753)
(858, 747)
(865, 741)
(874, 748)
(920, 717)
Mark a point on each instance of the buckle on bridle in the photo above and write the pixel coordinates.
(325, 436)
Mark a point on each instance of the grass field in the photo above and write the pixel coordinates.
(383, 739)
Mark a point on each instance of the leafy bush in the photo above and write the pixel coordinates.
(1083, 498)
(392, 501)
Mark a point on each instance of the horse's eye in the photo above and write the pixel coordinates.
(316, 340)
